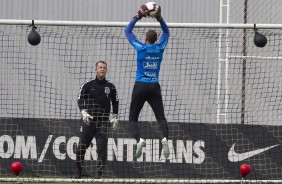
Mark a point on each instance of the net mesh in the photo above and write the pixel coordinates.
(217, 89)
(259, 11)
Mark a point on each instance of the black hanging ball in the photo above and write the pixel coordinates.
(260, 40)
(33, 37)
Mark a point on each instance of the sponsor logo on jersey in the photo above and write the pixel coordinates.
(150, 65)
(152, 58)
(150, 79)
(150, 74)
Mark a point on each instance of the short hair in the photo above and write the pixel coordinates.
(151, 36)
(104, 62)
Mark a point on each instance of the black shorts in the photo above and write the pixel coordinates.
(150, 92)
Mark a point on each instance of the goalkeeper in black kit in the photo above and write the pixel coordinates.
(147, 87)
(95, 100)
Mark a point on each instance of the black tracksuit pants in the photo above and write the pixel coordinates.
(150, 92)
(99, 130)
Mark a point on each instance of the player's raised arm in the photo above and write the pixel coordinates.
(163, 24)
(128, 29)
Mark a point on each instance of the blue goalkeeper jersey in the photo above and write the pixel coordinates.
(149, 56)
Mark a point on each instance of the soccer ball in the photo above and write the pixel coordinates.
(153, 8)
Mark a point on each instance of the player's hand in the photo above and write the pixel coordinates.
(114, 122)
(159, 15)
(142, 12)
(86, 117)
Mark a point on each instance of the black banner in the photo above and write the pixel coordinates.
(208, 151)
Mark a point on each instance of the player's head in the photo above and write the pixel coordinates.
(101, 69)
(151, 37)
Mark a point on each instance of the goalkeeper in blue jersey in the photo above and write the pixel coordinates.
(146, 87)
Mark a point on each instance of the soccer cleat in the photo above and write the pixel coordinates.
(99, 175)
(140, 145)
(78, 173)
(166, 151)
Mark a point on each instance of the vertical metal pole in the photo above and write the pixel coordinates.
(243, 91)
(226, 98)
(219, 65)
(224, 105)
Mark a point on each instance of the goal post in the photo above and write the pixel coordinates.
(202, 75)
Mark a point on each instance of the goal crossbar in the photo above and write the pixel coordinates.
(140, 24)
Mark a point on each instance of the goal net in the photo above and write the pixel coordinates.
(222, 99)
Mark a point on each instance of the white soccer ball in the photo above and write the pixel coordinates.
(153, 8)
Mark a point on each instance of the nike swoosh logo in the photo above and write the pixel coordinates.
(236, 157)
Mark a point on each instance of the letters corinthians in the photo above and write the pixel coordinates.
(120, 149)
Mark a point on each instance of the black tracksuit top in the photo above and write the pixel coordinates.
(97, 96)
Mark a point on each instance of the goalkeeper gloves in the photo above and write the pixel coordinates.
(114, 122)
(142, 12)
(86, 117)
(158, 14)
